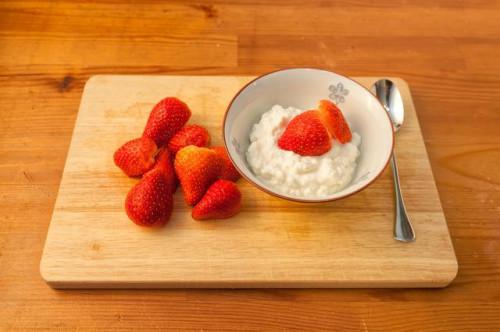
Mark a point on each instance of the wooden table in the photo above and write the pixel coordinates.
(449, 52)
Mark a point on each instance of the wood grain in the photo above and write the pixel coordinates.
(271, 243)
(455, 92)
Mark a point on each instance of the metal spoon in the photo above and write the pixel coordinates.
(388, 94)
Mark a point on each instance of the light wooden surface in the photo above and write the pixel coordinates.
(448, 51)
(271, 243)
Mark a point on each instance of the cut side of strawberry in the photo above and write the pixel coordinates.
(334, 121)
(306, 135)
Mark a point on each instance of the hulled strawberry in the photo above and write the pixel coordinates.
(165, 163)
(197, 168)
(228, 171)
(166, 119)
(334, 121)
(189, 135)
(222, 200)
(136, 157)
(149, 203)
(306, 135)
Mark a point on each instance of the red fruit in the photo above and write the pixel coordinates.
(189, 135)
(136, 157)
(334, 121)
(222, 200)
(197, 168)
(228, 171)
(166, 118)
(306, 135)
(165, 163)
(149, 203)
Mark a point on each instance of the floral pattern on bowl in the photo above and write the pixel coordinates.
(338, 93)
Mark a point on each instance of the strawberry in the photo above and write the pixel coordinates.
(334, 121)
(166, 118)
(222, 200)
(228, 171)
(189, 135)
(136, 157)
(149, 203)
(306, 135)
(165, 163)
(197, 168)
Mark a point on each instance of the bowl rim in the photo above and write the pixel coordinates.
(289, 198)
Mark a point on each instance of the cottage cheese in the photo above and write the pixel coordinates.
(291, 173)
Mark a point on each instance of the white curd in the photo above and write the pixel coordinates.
(291, 173)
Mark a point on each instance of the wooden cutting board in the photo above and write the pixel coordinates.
(271, 243)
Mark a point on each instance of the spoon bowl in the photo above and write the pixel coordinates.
(390, 98)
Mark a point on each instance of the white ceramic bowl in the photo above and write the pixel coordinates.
(303, 88)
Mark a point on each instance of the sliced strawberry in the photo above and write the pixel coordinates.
(334, 121)
(197, 168)
(165, 163)
(228, 171)
(149, 203)
(166, 119)
(189, 135)
(306, 135)
(222, 200)
(136, 157)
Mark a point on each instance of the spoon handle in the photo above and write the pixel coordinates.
(403, 231)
